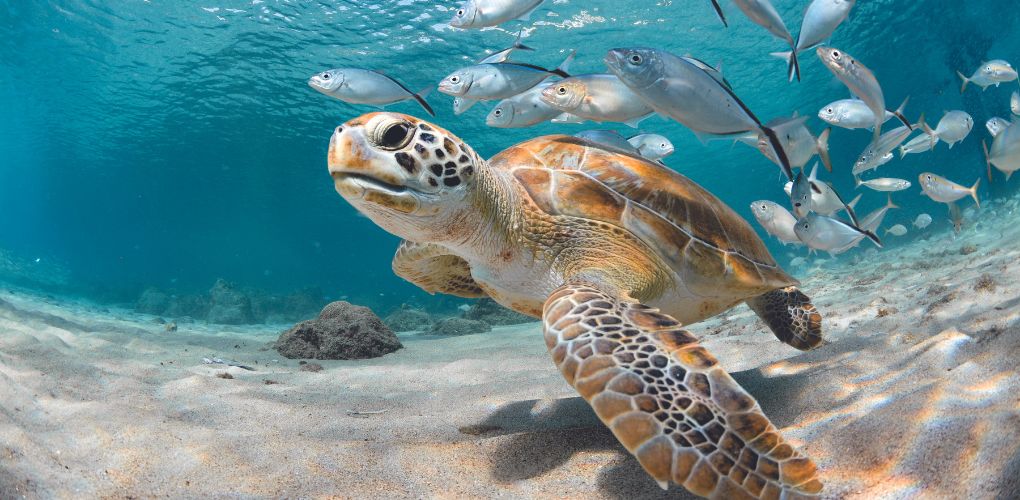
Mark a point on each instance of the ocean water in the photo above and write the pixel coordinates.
(167, 145)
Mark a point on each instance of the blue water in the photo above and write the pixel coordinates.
(169, 144)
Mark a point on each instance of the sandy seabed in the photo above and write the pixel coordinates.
(916, 395)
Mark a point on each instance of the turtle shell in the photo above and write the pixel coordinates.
(713, 251)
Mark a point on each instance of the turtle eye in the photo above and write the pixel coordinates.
(636, 59)
(394, 136)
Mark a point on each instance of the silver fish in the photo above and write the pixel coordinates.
(944, 190)
(853, 114)
(798, 142)
(483, 82)
(599, 98)
(861, 82)
(831, 235)
(522, 110)
(800, 197)
(919, 144)
(652, 146)
(991, 72)
(820, 19)
(922, 221)
(956, 217)
(485, 13)
(879, 152)
(776, 220)
(1005, 151)
(762, 13)
(504, 55)
(887, 184)
(897, 230)
(365, 86)
(954, 127)
(872, 221)
(824, 200)
(995, 125)
(609, 138)
(1014, 103)
(688, 93)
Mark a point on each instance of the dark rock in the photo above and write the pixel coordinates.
(491, 312)
(152, 301)
(408, 319)
(225, 375)
(228, 305)
(342, 331)
(459, 326)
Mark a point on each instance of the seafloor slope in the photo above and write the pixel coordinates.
(917, 395)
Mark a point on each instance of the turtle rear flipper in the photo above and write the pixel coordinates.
(667, 400)
(791, 316)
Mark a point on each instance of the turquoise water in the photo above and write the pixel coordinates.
(170, 144)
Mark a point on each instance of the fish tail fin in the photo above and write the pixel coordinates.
(973, 192)
(420, 97)
(988, 161)
(899, 114)
(965, 81)
(719, 12)
(564, 66)
(823, 148)
(777, 150)
(517, 43)
(889, 203)
(853, 202)
(794, 64)
(931, 133)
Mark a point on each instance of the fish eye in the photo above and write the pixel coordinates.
(763, 206)
(561, 90)
(460, 12)
(325, 76)
(662, 145)
(395, 136)
(830, 110)
(497, 112)
(836, 55)
(454, 79)
(636, 59)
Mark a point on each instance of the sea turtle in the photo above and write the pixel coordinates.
(614, 253)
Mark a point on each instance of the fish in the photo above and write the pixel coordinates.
(522, 110)
(887, 184)
(919, 144)
(821, 18)
(366, 86)
(879, 152)
(460, 105)
(824, 200)
(831, 235)
(652, 146)
(798, 142)
(800, 197)
(504, 55)
(486, 82)
(954, 127)
(996, 125)
(853, 114)
(719, 12)
(686, 91)
(944, 190)
(486, 13)
(762, 13)
(1014, 103)
(1005, 151)
(609, 138)
(991, 72)
(599, 98)
(922, 221)
(873, 220)
(956, 217)
(776, 220)
(897, 230)
(861, 82)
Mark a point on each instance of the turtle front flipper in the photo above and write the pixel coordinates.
(434, 269)
(667, 400)
(791, 317)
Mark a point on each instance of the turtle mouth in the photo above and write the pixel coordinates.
(368, 182)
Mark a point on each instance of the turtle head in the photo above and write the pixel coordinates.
(410, 177)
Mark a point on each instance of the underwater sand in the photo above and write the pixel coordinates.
(916, 396)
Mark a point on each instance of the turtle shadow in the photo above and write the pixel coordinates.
(543, 438)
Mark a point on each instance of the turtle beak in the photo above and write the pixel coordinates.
(363, 176)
